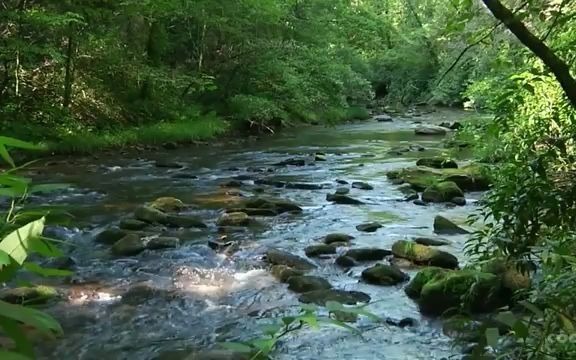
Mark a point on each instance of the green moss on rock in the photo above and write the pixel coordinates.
(442, 192)
(424, 255)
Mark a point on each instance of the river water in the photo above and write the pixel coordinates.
(192, 297)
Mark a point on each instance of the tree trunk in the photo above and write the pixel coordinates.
(559, 68)
(69, 77)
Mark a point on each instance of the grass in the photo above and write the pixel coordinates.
(184, 131)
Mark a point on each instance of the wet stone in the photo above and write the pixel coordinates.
(343, 199)
(369, 227)
(280, 257)
(362, 185)
(319, 250)
(303, 284)
(320, 297)
(345, 262)
(337, 238)
(368, 254)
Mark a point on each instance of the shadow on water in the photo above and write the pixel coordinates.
(192, 297)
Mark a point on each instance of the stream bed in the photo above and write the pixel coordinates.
(162, 304)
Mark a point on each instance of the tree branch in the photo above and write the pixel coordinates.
(559, 68)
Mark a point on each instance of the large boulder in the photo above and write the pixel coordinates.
(444, 226)
(424, 255)
(437, 292)
(513, 278)
(468, 178)
(321, 297)
(442, 192)
(437, 163)
(304, 283)
(280, 257)
(234, 219)
(386, 275)
(367, 254)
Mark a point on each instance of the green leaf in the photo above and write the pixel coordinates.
(15, 332)
(287, 320)
(238, 347)
(533, 308)
(15, 143)
(342, 325)
(46, 272)
(6, 155)
(310, 319)
(264, 345)
(271, 329)
(8, 355)
(507, 318)
(521, 330)
(44, 247)
(492, 336)
(17, 243)
(31, 317)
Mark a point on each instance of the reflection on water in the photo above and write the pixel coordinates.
(191, 297)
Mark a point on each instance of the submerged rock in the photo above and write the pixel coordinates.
(183, 221)
(362, 185)
(458, 200)
(343, 199)
(369, 227)
(448, 227)
(367, 254)
(253, 212)
(319, 250)
(430, 130)
(442, 192)
(280, 257)
(342, 191)
(321, 297)
(304, 283)
(437, 163)
(438, 291)
(168, 164)
(337, 238)
(292, 162)
(424, 255)
(386, 275)
(304, 186)
(163, 242)
(383, 118)
(234, 219)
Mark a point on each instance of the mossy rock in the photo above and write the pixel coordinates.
(369, 227)
(461, 290)
(431, 241)
(304, 283)
(443, 191)
(385, 275)
(150, 215)
(512, 278)
(277, 205)
(253, 212)
(468, 178)
(337, 238)
(283, 272)
(319, 250)
(423, 277)
(343, 199)
(163, 242)
(280, 257)
(167, 204)
(437, 163)
(131, 244)
(362, 185)
(234, 219)
(445, 226)
(34, 295)
(132, 224)
(321, 297)
(110, 236)
(424, 255)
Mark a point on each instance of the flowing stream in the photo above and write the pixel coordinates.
(164, 303)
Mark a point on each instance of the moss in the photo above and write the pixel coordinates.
(424, 255)
(474, 177)
(442, 192)
(167, 204)
(423, 277)
(33, 295)
(468, 290)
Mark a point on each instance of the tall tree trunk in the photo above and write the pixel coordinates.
(69, 77)
(559, 68)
